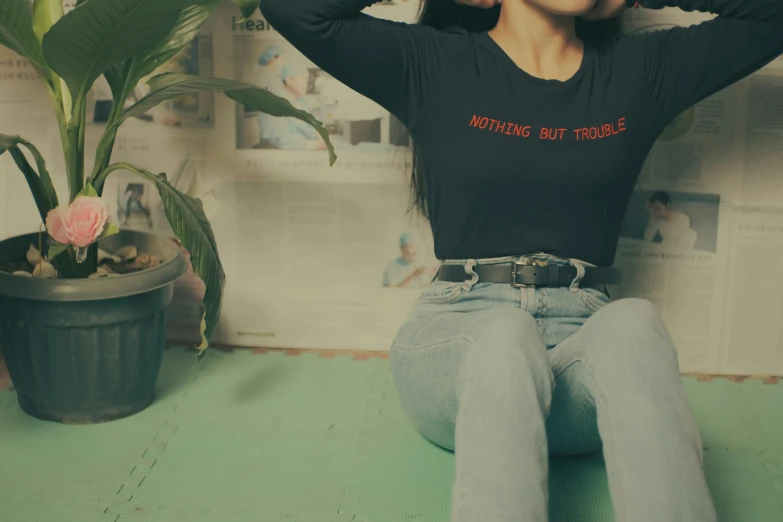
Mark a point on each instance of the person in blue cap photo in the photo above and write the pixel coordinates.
(288, 81)
(406, 271)
(294, 80)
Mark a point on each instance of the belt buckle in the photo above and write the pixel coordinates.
(526, 262)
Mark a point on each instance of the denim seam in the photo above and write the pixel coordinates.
(589, 301)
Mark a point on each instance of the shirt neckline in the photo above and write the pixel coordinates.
(510, 64)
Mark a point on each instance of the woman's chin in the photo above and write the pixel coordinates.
(579, 8)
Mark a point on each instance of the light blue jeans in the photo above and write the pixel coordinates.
(504, 376)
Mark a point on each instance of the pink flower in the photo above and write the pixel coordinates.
(55, 224)
(81, 223)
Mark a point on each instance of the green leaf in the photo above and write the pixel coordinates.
(42, 172)
(190, 224)
(167, 86)
(123, 79)
(6, 142)
(40, 185)
(109, 230)
(16, 32)
(45, 14)
(187, 27)
(88, 191)
(100, 33)
(55, 249)
(115, 77)
(262, 100)
(247, 7)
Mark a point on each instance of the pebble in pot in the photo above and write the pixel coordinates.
(33, 256)
(126, 253)
(44, 270)
(105, 256)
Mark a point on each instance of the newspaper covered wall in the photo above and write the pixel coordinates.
(320, 257)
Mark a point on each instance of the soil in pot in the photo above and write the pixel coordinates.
(125, 260)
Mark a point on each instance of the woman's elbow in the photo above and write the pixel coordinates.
(276, 9)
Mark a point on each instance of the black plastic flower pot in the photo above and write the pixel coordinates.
(82, 351)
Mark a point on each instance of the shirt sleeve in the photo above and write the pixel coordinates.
(685, 65)
(394, 64)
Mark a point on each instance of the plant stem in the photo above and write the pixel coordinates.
(106, 143)
(103, 154)
(68, 268)
(58, 111)
(82, 115)
(75, 133)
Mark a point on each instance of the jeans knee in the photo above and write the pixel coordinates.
(633, 325)
(507, 360)
(506, 327)
(640, 309)
(633, 317)
(512, 320)
(505, 336)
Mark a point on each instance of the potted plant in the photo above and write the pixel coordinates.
(82, 328)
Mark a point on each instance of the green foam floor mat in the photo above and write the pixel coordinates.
(246, 437)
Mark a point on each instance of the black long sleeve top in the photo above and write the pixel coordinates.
(516, 164)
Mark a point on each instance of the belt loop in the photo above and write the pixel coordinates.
(470, 264)
(580, 273)
(554, 276)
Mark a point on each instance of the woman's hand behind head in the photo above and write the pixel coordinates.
(482, 4)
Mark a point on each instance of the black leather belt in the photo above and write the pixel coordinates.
(523, 274)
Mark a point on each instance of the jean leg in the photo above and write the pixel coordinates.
(502, 387)
(651, 442)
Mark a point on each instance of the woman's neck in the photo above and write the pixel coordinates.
(542, 44)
